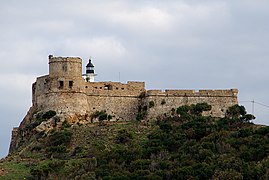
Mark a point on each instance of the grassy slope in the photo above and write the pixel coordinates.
(90, 140)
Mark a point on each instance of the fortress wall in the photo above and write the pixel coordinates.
(121, 107)
(118, 99)
(48, 95)
(220, 100)
(63, 102)
(155, 93)
(41, 85)
(192, 92)
(179, 92)
(67, 83)
(114, 88)
(136, 85)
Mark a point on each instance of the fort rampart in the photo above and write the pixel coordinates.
(65, 91)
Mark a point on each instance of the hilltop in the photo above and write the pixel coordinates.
(77, 128)
(185, 145)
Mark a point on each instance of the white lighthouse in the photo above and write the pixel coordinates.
(89, 76)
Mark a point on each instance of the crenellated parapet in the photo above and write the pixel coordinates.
(193, 93)
(114, 88)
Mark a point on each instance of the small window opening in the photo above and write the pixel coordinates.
(117, 88)
(71, 83)
(108, 87)
(86, 86)
(122, 88)
(61, 84)
(100, 87)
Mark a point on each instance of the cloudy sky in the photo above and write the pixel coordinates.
(171, 44)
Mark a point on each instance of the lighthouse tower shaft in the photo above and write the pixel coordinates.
(90, 72)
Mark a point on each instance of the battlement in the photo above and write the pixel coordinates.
(193, 93)
(65, 59)
(112, 86)
(115, 88)
(65, 66)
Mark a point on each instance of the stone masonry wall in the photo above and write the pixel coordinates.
(121, 108)
(117, 99)
(164, 102)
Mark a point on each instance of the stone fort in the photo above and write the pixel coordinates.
(66, 91)
(76, 98)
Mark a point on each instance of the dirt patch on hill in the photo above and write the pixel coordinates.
(2, 172)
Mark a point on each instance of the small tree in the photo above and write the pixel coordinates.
(49, 114)
(238, 112)
(235, 112)
(199, 108)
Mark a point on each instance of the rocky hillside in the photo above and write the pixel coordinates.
(184, 145)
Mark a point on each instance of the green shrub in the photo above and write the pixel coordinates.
(151, 104)
(102, 115)
(263, 131)
(141, 115)
(43, 169)
(66, 125)
(77, 150)
(199, 108)
(235, 111)
(60, 137)
(36, 148)
(239, 114)
(142, 112)
(123, 136)
(166, 127)
(39, 118)
(173, 111)
(57, 149)
(183, 110)
(194, 109)
(49, 114)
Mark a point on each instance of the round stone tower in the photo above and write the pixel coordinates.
(63, 89)
(65, 66)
